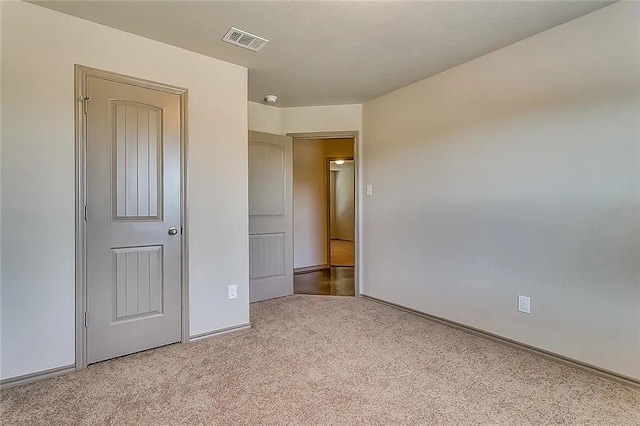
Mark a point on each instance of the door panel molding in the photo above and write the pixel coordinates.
(138, 282)
(82, 73)
(136, 137)
(270, 216)
(270, 160)
(272, 262)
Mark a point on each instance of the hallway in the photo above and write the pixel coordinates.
(324, 216)
(336, 281)
(342, 253)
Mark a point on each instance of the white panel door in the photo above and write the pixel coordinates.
(133, 199)
(270, 216)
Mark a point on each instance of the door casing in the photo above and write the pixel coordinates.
(81, 75)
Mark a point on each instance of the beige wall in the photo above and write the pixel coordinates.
(517, 173)
(333, 118)
(265, 118)
(39, 50)
(333, 228)
(343, 226)
(309, 228)
(322, 118)
(310, 197)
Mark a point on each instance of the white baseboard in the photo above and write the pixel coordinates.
(35, 377)
(209, 334)
(59, 371)
(313, 268)
(514, 343)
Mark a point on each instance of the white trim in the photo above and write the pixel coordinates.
(313, 268)
(516, 344)
(35, 377)
(220, 332)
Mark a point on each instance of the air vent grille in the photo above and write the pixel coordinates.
(245, 39)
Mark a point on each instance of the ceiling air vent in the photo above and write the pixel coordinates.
(245, 39)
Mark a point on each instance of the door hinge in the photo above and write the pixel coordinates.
(85, 213)
(85, 100)
(181, 230)
(86, 320)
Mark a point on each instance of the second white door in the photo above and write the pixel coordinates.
(270, 216)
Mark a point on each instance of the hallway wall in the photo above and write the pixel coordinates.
(343, 226)
(309, 228)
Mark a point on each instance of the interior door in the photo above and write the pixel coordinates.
(133, 218)
(270, 216)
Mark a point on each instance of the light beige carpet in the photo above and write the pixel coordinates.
(313, 360)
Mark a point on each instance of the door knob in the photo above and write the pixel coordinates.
(173, 231)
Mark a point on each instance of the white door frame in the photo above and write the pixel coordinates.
(81, 75)
(356, 158)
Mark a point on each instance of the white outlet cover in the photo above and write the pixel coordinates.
(233, 292)
(524, 304)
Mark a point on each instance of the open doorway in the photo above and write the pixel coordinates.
(342, 212)
(324, 210)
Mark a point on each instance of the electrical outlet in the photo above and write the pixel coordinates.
(524, 304)
(233, 292)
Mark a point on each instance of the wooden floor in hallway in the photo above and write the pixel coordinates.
(343, 253)
(335, 281)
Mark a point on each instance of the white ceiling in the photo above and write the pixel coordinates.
(324, 53)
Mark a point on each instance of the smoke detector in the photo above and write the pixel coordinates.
(271, 99)
(244, 39)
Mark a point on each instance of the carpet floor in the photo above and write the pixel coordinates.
(312, 360)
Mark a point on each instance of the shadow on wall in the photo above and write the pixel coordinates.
(517, 174)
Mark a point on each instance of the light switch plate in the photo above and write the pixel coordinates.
(369, 190)
(233, 292)
(524, 304)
